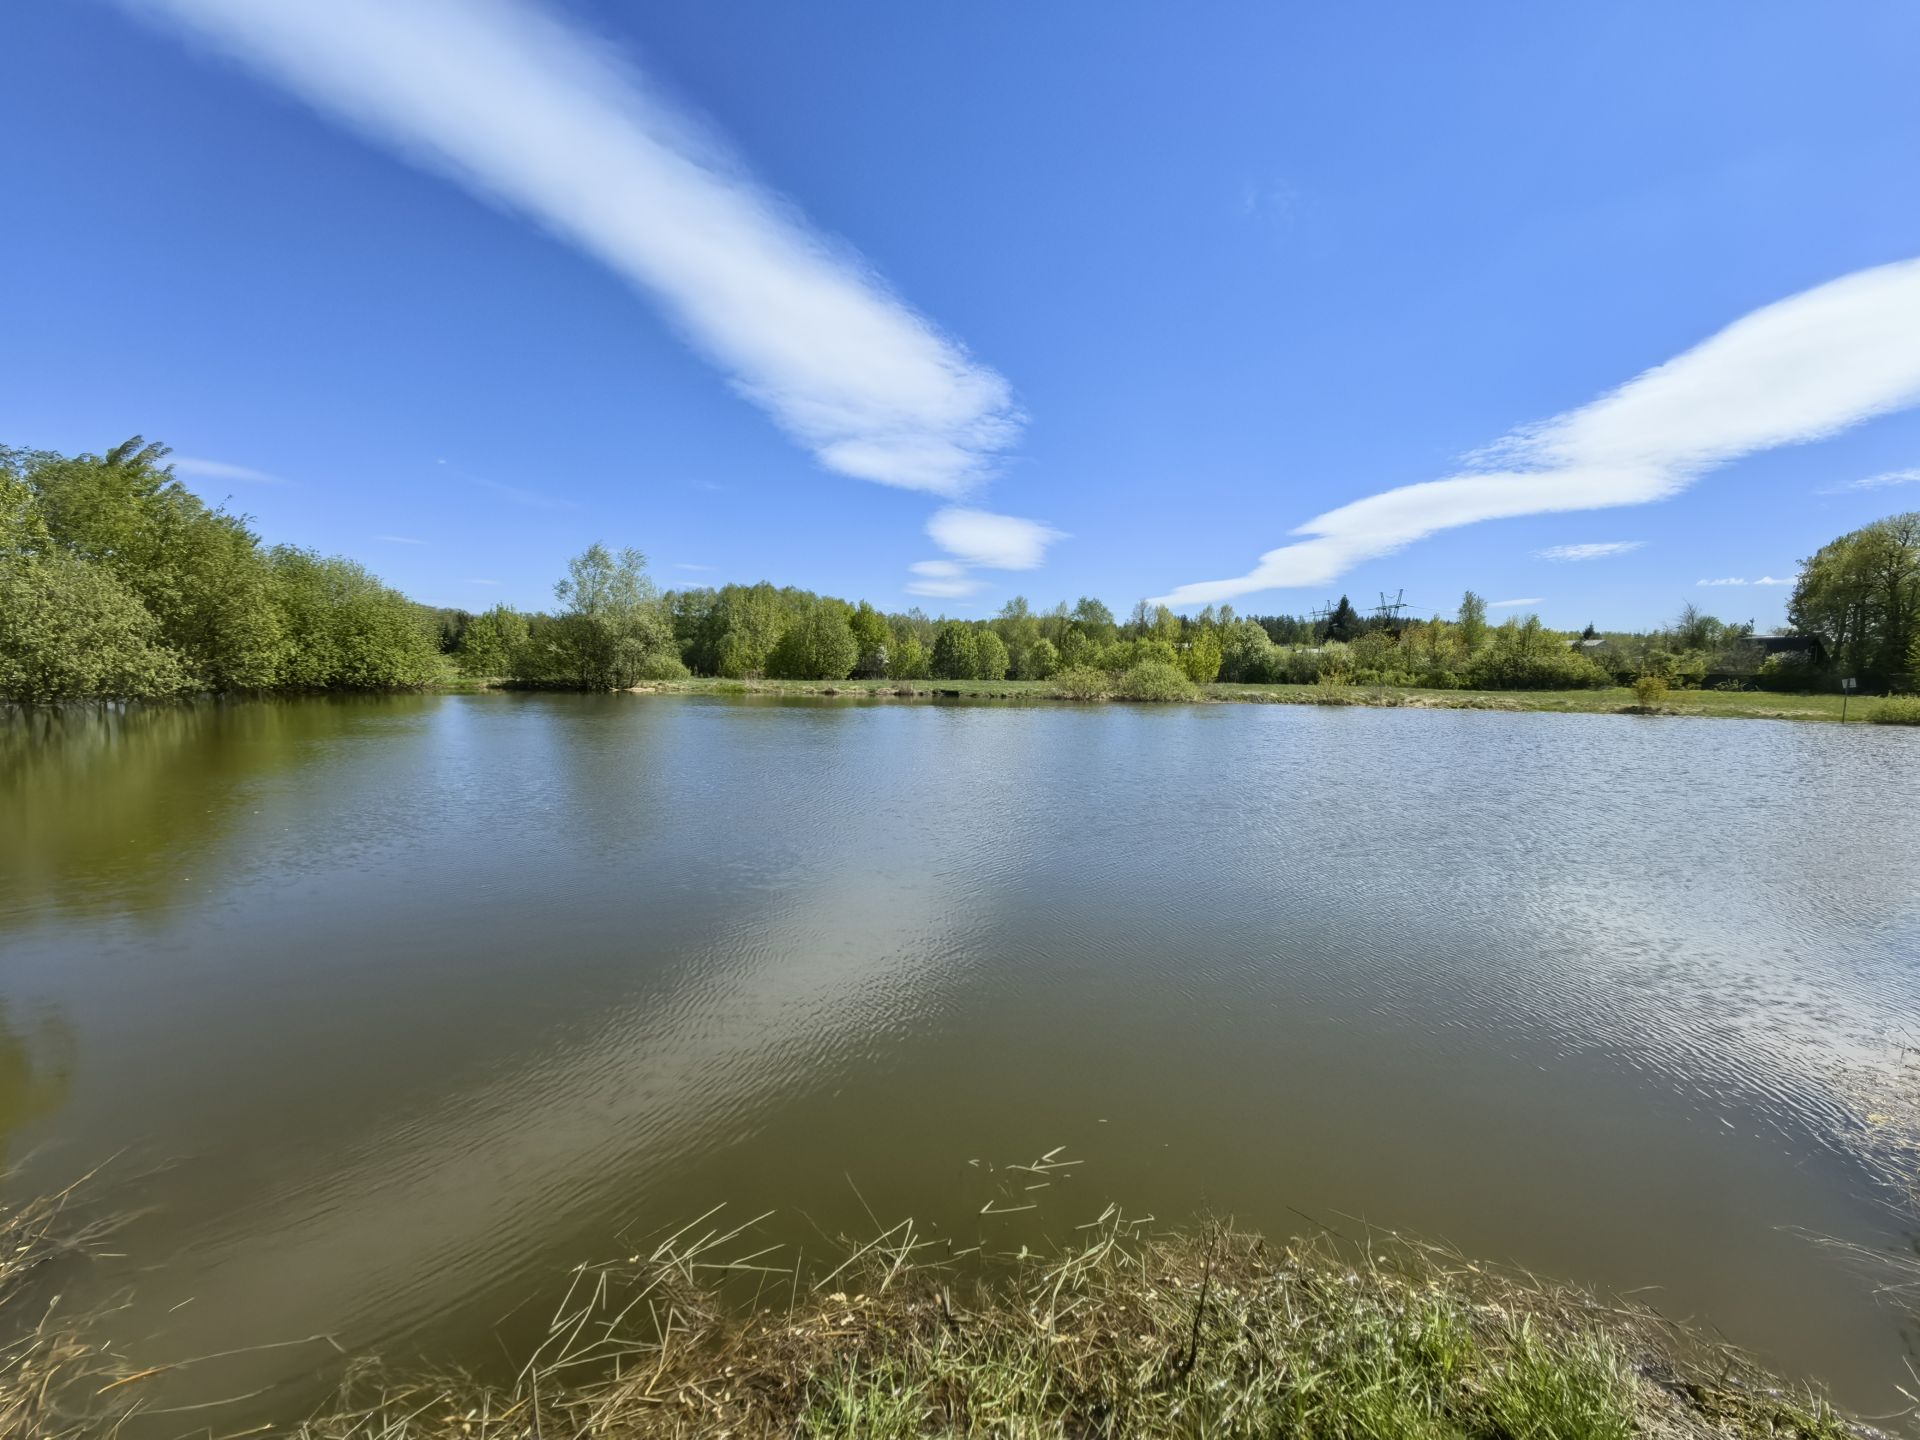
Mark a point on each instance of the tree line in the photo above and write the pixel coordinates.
(117, 582)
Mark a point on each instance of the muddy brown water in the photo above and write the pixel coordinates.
(388, 1011)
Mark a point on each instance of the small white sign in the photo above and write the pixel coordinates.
(1849, 683)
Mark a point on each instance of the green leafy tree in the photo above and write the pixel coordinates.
(614, 632)
(819, 646)
(872, 638)
(1093, 619)
(1472, 621)
(955, 654)
(1246, 653)
(346, 630)
(1037, 662)
(199, 572)
(492, 642)
(1202, 657)
(990, 658)
(908, 658)
(70, 630)
(1861, 593)
(1078, 650)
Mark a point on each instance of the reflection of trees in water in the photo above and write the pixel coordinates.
(105, 802)
(36, 1072)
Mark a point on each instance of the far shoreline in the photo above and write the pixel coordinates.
(1718, 704)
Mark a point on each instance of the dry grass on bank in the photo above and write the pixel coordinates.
(52, 1374)
(1122, 1334)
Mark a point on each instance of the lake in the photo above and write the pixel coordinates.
(385, 1012)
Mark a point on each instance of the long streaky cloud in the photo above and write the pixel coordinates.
(1800, 369)
(1882, 481)
(524, 109)
(222, 470)
(1591, 550)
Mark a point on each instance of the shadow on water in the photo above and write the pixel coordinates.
(103, 801)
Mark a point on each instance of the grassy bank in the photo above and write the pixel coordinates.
(1744, 704)
(1123, 1333)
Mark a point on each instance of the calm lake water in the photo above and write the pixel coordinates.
(392, 1010)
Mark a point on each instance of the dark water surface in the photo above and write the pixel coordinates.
(392, 1010)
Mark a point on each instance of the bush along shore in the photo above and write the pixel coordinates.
(1125, 1332)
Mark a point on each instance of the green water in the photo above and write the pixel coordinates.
(391, 1010)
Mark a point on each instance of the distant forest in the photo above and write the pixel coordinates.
(116, 582)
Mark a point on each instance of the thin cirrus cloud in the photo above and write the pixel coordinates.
(528, 111)
(1593, 550)
(221, 470)
(942, 580)
(1734, 580)
(1513, 604)
(1800, 369)
(399, 540)
(1886, 480)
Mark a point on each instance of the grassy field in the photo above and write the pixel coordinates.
(1748, 704)
(1123, 1333)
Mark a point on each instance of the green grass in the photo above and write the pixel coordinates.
(1741, 704)
(1122, 1334)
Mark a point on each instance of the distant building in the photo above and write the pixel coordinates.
(1807, 649)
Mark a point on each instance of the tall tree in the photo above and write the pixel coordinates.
(1861, 593)
(1472, 621)
(1344, 623)
(818, 646)
(955, 653)
(613, 632)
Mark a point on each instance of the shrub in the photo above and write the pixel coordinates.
(1650, 691)
(1079, 682)
(1500, 668)
(1155, 680)
(1896, 710)
(657, 665)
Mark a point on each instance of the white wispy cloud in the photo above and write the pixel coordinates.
(1885, 480)
(1730, 580)
(527, 110)
(399, 540)
(1797, 370)
(518, 494)
(1511, 604)
(685, 565)
(221, 470)
(1772, 580)
(1734, 580)
(482, 582)
(1593, 550)
(942, 579)
(979, 539)
(995, 542)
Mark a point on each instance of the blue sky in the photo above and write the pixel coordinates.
(941, 304)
